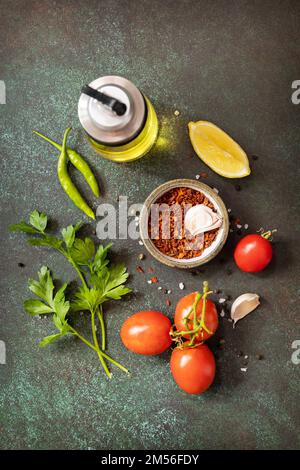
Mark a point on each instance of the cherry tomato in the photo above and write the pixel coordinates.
(211, 316)
(193, 369)
(147, 332)
(253, 253)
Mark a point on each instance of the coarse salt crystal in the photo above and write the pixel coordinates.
(181, 286)
(229, 210)
(244, 369)
(169, 291)
(222, 313)
(238, 226)
(222, 300)
(176, 112)
(141, 243)
(197, 177)
(149, 281)
(159, 288)
(246, 226)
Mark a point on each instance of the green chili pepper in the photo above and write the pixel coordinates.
(78, 161)
(66, 181)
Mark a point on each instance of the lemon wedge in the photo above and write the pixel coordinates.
(218, 150)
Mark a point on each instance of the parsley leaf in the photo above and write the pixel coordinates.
(108, 284)
(61, 306)
(38, 220)
(117, 275)
(23, 227)
(100, 259)
(37, 224)
(68, 234)
(118, 292)
(110, 280)
(82, 251)
(87, 299)
(47, 240)
(36, 307)
(57, 305)
(43, 288)
(50, 339)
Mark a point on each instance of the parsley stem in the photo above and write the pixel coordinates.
(78, 272)
(108, 373)
(73, 263)
(106, 356)
(101, 320)
(113, 361)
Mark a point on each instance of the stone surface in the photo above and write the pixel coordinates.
(232, 63)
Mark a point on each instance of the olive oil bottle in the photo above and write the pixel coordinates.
(120, 122)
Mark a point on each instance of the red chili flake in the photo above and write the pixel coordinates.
(203, 174)
(168, 302)
(154, 280)
(139, 269)
(237, 221)
(150, 270)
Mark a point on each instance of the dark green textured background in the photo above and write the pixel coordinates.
(230, 62)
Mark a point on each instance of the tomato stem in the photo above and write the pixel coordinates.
(268, 234)
(197, 298)
(204, 297)
(198, 325)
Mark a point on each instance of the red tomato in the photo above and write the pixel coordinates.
(253, 253)
(211, 315)
(147, 332)
(193, 369)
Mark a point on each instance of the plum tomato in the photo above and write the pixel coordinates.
(147, 332)
(253, 253)
(211, 316)
(193, 369)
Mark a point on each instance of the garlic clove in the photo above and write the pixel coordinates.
(244, 305)
(201, 218)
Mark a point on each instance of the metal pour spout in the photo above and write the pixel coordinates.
(115, 105)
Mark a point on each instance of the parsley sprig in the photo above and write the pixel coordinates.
(100, 282)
